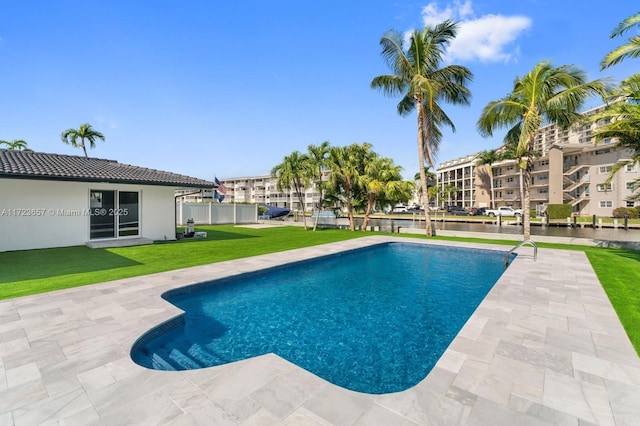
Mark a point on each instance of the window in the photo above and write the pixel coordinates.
(544, 191)
(509, 179)
(631, 185)
(603, 151)
(544, 162)
(606, 204)
(606, 169)
(630, 204)
(630, 168)
(544, 177)
(604, 187)
(509, 192)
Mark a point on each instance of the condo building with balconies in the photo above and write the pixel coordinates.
(570, 169)
(256, 189)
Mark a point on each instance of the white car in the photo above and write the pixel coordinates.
(399, 209)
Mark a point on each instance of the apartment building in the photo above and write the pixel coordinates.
(257, 189)
(571, 169)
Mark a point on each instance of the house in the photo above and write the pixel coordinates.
(53, 200)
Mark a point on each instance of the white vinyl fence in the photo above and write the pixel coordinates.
(216, 213)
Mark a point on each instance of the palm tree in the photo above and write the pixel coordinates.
(15, 145)
(347, 166)
(622, 122)
(447, 191)
(489, 158)
(423, 86)
(629, 50)
(294, 172)
(431, 181)
(86, 133)
(382, 182)
(317, 161)
(546, 94)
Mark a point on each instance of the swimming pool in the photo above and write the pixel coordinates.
(373, 320)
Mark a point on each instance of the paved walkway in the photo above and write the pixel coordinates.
(544, 348)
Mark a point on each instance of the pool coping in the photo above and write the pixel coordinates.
(544, 347)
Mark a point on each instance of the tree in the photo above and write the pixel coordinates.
(317, 161)
(622, 122)
(431, 181)
(86, 133)
(546, 94)
(628, 50)
(423, 85)
(294, 172)
(15, 145)
(382, 182)
(489, 158)
(447, 191)
(347, 167)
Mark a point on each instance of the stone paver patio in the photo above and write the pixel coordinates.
(544, 348)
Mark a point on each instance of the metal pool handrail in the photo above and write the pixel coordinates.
(533, 244)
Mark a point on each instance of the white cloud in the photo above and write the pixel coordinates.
(488, 38)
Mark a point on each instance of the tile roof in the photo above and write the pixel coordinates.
(39, 165)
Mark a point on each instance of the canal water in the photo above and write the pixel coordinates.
(561, 230)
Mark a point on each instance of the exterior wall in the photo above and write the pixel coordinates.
(482, 186)
(41, 214)
(555, 176)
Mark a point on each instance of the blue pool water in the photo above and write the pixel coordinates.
(373, 320)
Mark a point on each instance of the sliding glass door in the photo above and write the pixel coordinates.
(114, 210)
(128, 217)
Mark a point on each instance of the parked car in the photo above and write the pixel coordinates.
(458, 211)
(504, 211)
(477, 211)
(399, 208)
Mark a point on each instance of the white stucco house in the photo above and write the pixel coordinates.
(52, 200)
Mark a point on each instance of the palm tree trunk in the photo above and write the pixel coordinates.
(423, 175)
(298, 188)
(84, 148)
(526, 211)
(367, 213)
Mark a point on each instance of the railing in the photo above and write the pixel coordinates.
(532, 243)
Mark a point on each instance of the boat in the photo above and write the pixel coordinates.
(274, 212)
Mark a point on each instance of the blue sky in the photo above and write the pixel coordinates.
(208, 88)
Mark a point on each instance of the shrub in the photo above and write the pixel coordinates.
(558, 211)
(621, 212)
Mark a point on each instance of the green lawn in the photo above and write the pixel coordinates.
(36, 271)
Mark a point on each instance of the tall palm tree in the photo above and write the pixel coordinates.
(431, 181)
(15, 145)
(629, 50)
(423, 85)
(86, 133)
(489, 158)
(622, 122)
(546, 94)
(317, 161)
(382, 182)
(294, 173)
(347, 167)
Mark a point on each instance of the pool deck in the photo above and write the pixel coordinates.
(545, 347)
